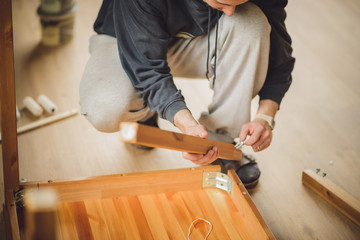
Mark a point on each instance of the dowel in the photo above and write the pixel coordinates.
(333, 194)
(154, 137)
(45, 121)
(47, 104)
(18, 115)
(33, 106)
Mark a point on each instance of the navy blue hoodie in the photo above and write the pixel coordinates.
(144, 28)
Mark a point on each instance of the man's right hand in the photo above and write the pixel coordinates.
(188, 125)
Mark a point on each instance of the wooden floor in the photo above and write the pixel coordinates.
(318, 125)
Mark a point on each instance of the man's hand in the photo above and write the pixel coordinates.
(259, 130)
(188, 125)
(260, 134)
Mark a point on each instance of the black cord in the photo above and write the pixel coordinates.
(208, 52)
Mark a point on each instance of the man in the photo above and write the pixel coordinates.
(242, 47)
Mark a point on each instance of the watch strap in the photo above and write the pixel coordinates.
(270, 120)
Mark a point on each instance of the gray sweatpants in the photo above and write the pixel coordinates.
(107, 96)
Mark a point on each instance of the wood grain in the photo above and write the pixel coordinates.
(241, 192)
(126, 184)
(333, 194)
(160, 216)
(160, 212)
(11, 220)
(10, 164)
(140, 134)
(7, 99)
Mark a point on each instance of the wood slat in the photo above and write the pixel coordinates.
(8, 119)
(193, 201)
(7, 99)
(154, 137)
(97, 220)
(11, 216)
(242, 200)
(127, 184)
(154, 218)
(159, 216)
(333, 194)
(205, 205)
(81, 220)
(220, 203)
(140, 220)
(123, 207)
(173, 227)
(181, 211)
(114, 223)
(59, 235)
(67, 226)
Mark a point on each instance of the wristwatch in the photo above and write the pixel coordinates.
(270, 120)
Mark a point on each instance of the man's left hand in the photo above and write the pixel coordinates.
(260, 134)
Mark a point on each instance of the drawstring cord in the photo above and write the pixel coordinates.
(208, 52)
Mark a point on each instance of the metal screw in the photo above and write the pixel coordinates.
(324, 174)
(317, 170)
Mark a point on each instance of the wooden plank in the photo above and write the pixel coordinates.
(243, 201)
(223, 206)
(333, 194)
(7, 99)
(138, 213)
(172, 225)
(157, 224)
(66, 220)
(154, 137)
(8, 119)
(114, 223)
(131, 184)
(123, 208)
(198, 204)
(40, 215)
(182, 212)
(204, 203)
(12, 220)
(81, 220)
(97, 220)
